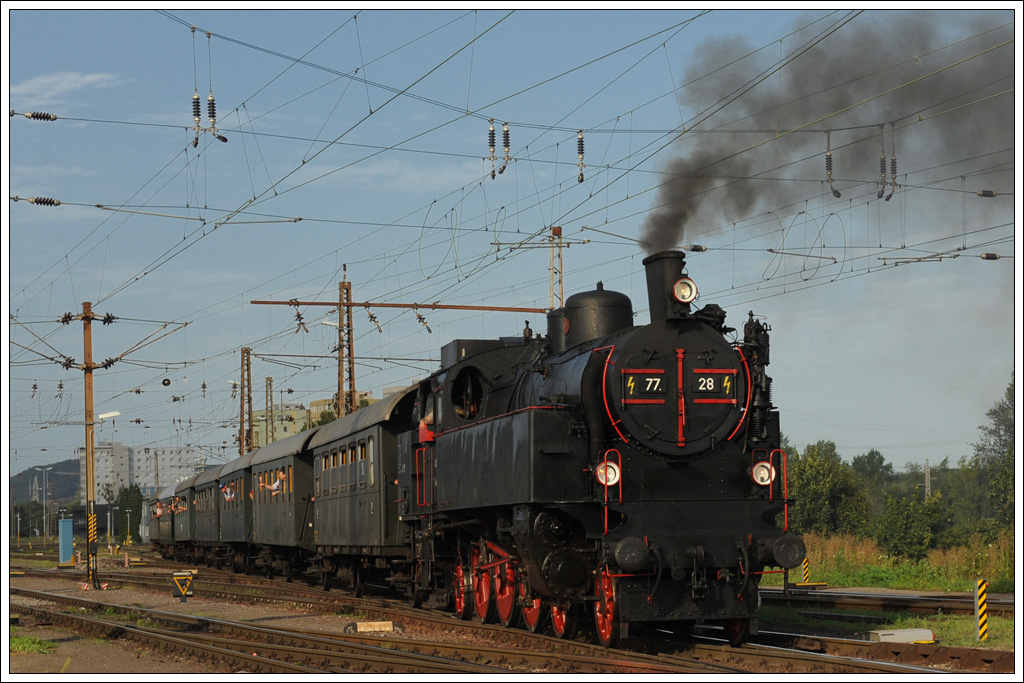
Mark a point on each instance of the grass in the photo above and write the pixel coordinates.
(849, 562)
(950, 630)
(27, 645)
(846, 561)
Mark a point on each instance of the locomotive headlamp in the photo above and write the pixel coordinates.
(684, 290)
(762, 473)
(607, 473)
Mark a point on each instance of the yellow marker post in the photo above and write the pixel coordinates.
(981, 608)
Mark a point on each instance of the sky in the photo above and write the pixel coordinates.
(356, 146)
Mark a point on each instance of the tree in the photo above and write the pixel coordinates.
(130, 511)
(326, 417)
(872, 467)
(829, 497)
(875, 475)
(909, 526)
(106, 492)
(994, 453)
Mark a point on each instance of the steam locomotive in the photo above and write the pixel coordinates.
(604, 474)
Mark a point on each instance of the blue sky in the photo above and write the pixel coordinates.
(888, 329)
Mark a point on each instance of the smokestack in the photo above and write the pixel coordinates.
(663, 270)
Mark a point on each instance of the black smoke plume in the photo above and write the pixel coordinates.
(760, 126)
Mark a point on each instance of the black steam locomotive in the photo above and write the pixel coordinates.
(606, 472)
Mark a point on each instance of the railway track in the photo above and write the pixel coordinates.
(478, 644)
(882, 602)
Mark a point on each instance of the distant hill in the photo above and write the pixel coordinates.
(63, 481)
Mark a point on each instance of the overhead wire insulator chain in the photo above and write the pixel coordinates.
(39, 201)
(579, 147)
(38, 116)
(892, 168)
(881, 162)
(490, 146)
(506, 138)
(828, 164)
(423, 321)
(373, 319)
(211, 110)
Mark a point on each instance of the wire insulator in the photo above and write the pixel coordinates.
(579, 148)
(40, 116)
(892, 167)
(828, 163)
(211, 108)
(881, 167)
(44, 201)
(986, 193)
(988, 256)
(507, 139)
(490, 138)
(195, 106)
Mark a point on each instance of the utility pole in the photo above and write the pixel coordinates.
(555, 243)
(346, 342)
(345, 402)
(271, 426)
(87, 366)
(556, 237)
(90, 458)
(245, 439)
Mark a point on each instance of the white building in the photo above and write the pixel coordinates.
(153, 468)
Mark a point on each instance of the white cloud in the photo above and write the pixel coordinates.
(56, 88)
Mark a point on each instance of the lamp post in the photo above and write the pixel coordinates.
(110, 524)
(44, 502)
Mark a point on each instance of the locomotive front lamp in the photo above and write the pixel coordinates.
(684, 290)
(762, 473)
(607, 473)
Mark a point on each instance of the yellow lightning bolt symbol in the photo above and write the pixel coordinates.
(629, 383)
(728, 389)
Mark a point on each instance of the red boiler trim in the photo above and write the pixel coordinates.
(750, 391)
(681, 436)
(604, 390)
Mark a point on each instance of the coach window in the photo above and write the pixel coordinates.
(362, 464)
(330, 485)
(352, 466)
(369, 458)
(291, 484)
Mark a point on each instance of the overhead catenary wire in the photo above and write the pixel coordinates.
(460, 227)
